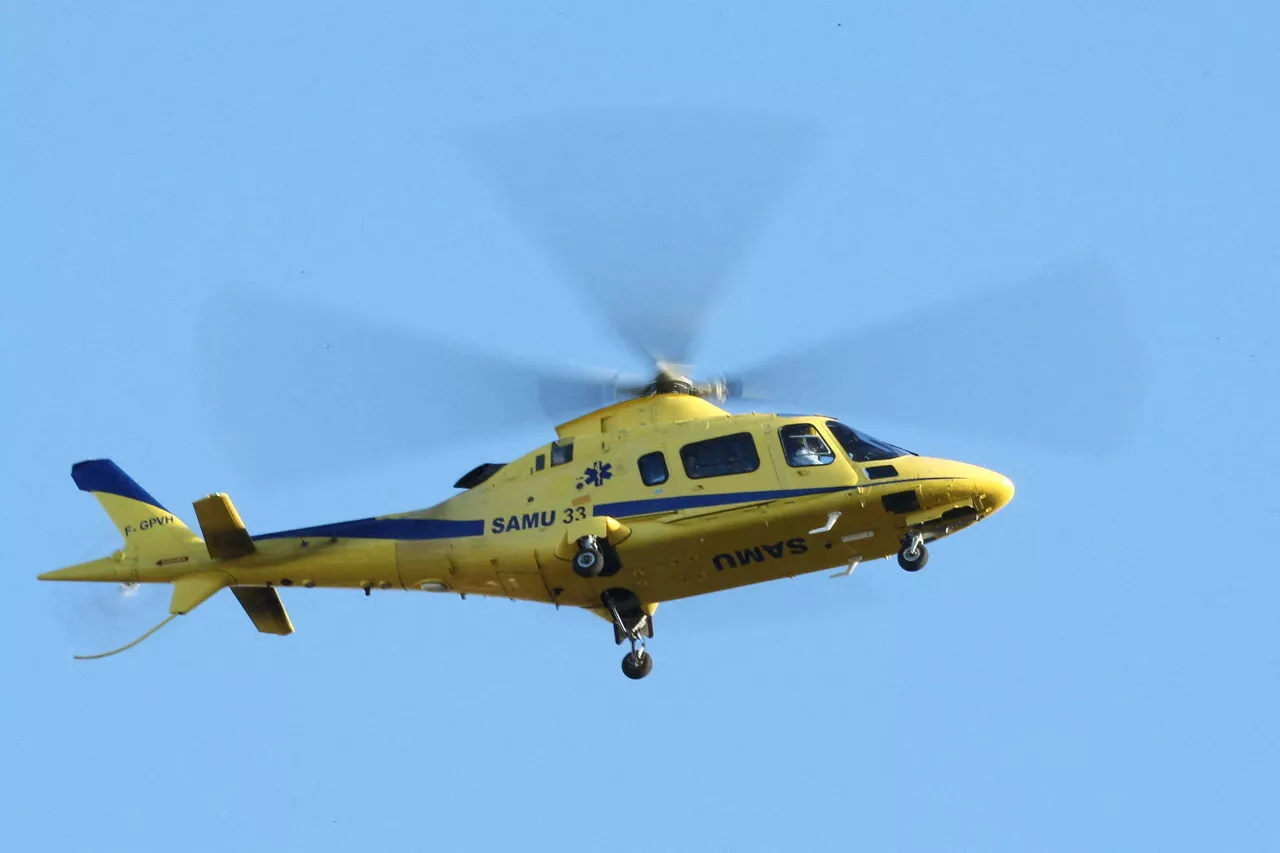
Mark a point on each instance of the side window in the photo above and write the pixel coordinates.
(540, 462)
(653, 468)
(804, 447)
(716, 457)
(562, 452)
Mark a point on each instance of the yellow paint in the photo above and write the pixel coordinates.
(190, 591)
(734, 530)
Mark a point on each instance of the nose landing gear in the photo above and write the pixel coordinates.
(913, 555)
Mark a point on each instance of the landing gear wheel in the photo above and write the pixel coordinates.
(589, 561)
(637, 664)
(631, 623)
(914, 556)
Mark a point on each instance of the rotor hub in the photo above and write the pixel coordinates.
(669, 381)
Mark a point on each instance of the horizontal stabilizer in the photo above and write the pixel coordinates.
(265, 608)
(190, 591)
(225, 535)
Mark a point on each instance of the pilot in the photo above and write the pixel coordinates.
(805, 452)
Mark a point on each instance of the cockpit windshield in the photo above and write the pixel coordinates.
(862, 447)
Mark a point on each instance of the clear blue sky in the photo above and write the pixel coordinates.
(1095, 669)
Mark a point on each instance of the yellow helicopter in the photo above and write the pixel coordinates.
(652, 499)
(660, 492)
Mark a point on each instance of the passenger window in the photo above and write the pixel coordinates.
(653, 468)
(562, 452)
(540, 462)
(804, 447)
(716, 457)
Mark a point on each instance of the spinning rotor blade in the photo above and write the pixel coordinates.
(1052, 362)
(299, 389)
(647, 209)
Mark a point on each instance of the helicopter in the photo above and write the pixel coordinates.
(652, 489)
(654, 499)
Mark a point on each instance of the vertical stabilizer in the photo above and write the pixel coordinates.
(152, 535)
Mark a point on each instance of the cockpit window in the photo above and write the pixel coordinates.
(862, 447)
(804, 447)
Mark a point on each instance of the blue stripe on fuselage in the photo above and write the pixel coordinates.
(385, 528)
(649, 506)
(437, 528)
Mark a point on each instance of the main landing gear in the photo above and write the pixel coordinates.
(631, 623)
(637, 663)
(913, 555)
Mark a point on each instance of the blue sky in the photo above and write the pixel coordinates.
(1094, 669)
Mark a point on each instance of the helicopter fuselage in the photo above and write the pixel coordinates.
(685, 497)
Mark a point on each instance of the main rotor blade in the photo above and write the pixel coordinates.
(300, 390)
(647, 209)
(1052, 362)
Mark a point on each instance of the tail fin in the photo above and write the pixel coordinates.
(157, 545)
(152, 534)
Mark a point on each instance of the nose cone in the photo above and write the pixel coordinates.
(994, 490)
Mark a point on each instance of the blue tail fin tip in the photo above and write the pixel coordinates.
(103, 475)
